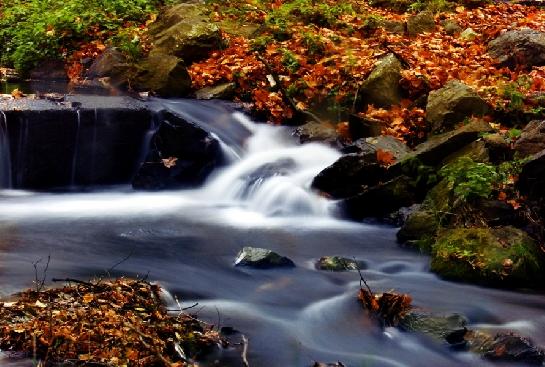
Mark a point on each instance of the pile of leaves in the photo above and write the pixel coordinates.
(119, 322)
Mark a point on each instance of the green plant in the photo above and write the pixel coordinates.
(314, 44)
(469, 179)
(514, 133)
(289, 60)
(422, 174)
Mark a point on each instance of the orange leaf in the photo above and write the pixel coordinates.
(385, 157)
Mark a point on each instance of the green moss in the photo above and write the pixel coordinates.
(500, 256)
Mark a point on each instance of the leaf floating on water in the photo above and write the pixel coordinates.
(169, 162)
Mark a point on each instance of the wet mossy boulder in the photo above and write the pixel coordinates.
(439, 327)
(452, 104)
(338, 263)
(419, 229)
(185, 30)
(503, 256)
(382, 87)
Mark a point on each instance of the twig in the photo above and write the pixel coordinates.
(120, 262)
(40, 283)
(245, 351)
(362, 279)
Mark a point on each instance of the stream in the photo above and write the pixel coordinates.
(187, 241)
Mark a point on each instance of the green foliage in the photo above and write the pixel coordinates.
(469, 179)
(423, 175)
(33, 30)
(314, 44)
(289, 60)
(514, 133)
(260, 43)
(435, 6)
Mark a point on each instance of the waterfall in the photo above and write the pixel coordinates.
(5, 155)
(76, 150)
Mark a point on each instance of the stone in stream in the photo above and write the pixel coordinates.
(506, 348)
(316, 131)
(219, 91)
(338, 263)
(520, 47)
(261, 258)
(440, 327)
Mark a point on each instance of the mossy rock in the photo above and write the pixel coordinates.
(504, 256)
(419, 229)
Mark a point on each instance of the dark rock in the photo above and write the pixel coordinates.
(368, 147)
(220, 91)
(382, 87)
(364, 127)
(451, 27)
(499, 148)
(476, 150)
(348, 176)
(532, 139)
(49, 70)
(399, 217)
(440, 327)
(315, 131)
(185, 30)
(261, 258)
(10, 75)
(522, 47)
(452, 104)
(420, 23)
(420, 224)
(503, 256)
(337, 263)
(439, 147)
(111, 64)
(496, 212)
(321, 364)
(510, 347)
(164, 75)
(531, 180)
(392, 26)
(195, 152)
(380, 200)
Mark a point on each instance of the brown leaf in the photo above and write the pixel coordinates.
(169, 162)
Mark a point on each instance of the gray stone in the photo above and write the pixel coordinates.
(451, 27)
(111, 64)
(452, 104)
(521, 47)
(261, 258)
(532, 139)
(316, 131)
(468, 34)
(220, 91)
(337, 263)
(382, 88)
(369, 147)
(420, 23)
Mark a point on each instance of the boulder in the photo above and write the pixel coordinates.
(348, 176)
(503, 256)
(521, 47)
(363, 127)
(531, 180)
(220, 91)
(514, 348)
(382, 87)
(437, 148)
(498, 147)
(164, 75)
(368, 147)
(337, 263)
(392, 26)
(451, 27)
(316, 131)
(261, 258)
(111, 64)
(420, 23)
(476, 150)
(420, 228)
(452, 104)
(185, 30)
(440, 327)
(532, 139)
(181, 155)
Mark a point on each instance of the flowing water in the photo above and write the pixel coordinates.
(187, 241)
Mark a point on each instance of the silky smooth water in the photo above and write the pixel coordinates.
(187, 241)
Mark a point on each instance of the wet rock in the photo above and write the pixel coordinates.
(111, 64)
(439, 147)
(531, 180)
(468, 35)
(382, 88)
(348, 176)
(261, 258)
(337, 263)
(220, 91)
(532, 139)
(476, 150)
(368, 147)
(451, 27)
(380, 200)
(452, 104)
(185, 30)
(522, 47)
(503, 256)
(182, 155)
(510, 347)
(421, 225)
(315, 131)
(164, 75)
(496, 212)
(364, 127)
(440, 327)
(420, 23)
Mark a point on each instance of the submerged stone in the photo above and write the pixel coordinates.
(440, 327)
(261, 258)
(337, 263)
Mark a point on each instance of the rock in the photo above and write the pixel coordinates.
(510, 347)
(522, 47)
(399, 217)
(452, 104)
(181, 155)
(531, 180)
(392, 26)
(380, 200)
(503, 256)
(220, 91)
(368, 147)
(164, 75)
(261, 258)
(382, 88)
(364, 127)
(451, 27)
(348, 176)
(420, 225)
(476, 150)
(49, 70)
(337, 263)
(439, 147)
(185, 30)
(496, 212)
(315, 131)
(499, 148)
(420, 23)
(532, 139)
(468, 35)
(111, 64)
(440, 327)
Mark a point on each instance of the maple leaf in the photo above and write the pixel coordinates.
(385, 158)
(169, 162)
